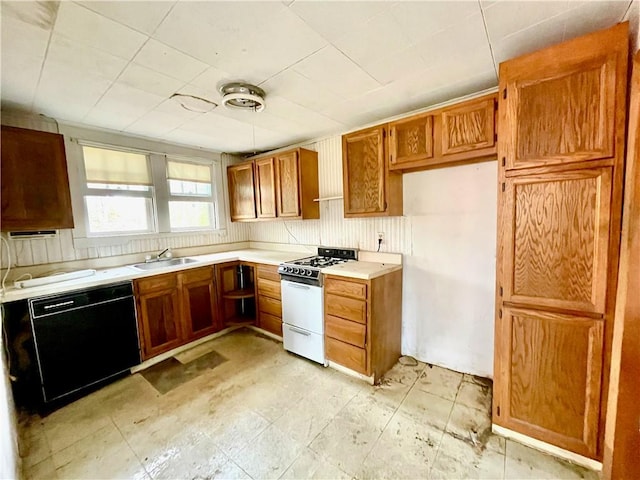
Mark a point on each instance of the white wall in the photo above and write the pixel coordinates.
(448, 240)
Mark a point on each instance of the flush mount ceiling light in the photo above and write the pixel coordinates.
(194, 104)
(243, 96)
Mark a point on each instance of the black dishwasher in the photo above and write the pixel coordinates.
(84, 337)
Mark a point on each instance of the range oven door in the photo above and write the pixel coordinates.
(303, 320)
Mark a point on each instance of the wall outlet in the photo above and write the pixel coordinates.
(380, 235)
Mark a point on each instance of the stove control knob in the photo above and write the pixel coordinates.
(289, 269)
(296, 270)
(309, 273)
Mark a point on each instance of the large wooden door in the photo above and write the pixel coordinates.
(363, 157)
(561, 160)
(266, 187)
(160, 321)
(288, 175)
(199, 302)
(581, 81)
(242, 200)
(410, 140)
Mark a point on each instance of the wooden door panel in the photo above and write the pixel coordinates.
(288, 175)
(364, 172)
(199, 308)
(558, 225)
(266, 188)
(160, 319)
(559, 105)
(410, 140)
(242, 200)
(468, 127)
(554, 366)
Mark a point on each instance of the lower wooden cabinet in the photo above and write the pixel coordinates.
(174, 309)
(362, 322)
(269, 299)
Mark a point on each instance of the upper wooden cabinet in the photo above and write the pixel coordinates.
(35, 184)
(460, 133)
(559, 112)
(285, 186)
(369, 188)
(242, 197)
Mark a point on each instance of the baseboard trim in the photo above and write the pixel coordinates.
(547, 448)
(351, 373)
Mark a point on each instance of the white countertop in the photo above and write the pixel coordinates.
(353, 269)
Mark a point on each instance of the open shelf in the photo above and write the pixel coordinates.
(239, 321)
(240, 293)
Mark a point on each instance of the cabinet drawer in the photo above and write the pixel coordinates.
(270, 305)
(344, 307)
(271, 323)
(345, 330)
(347, 355)
(196, 275)
(270, 272)
(269, 288)
(346, 288)
(157, 282)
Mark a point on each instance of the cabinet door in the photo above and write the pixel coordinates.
(266, 188)
(563, 104)
(364, 172)
(160, 321)
(551, 370)
(199, 303)
(410, 141)
(35, 185)
(242, 200)
(288, 175)
(556, 228)
(468, 129)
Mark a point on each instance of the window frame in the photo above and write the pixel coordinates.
(160, 188)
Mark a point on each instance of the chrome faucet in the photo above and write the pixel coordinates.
(166, 252)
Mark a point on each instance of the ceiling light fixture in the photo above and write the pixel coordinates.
(194, 104)
(243, 96)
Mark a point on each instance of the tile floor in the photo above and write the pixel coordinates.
(265, 413)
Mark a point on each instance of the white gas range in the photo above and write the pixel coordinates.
(303, 301)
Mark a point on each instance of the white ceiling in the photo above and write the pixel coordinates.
(326, 66)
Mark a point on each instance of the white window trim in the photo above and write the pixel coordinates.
(77, 183)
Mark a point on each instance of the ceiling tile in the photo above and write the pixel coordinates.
(333, 19)
(169, 61)
(139, 15)
(303, 117)
(149, 80)
(270, 48)
(19, 77)
(94, 30)
(395, 67)
(505, 18)
(381, 36)
(171, 107)
(331, 69)
(19, 38)
(212, 79)
(299, 89)
(41, 15)
(155, 124)
(591, 16)
(420, 20)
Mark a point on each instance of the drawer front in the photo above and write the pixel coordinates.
(344, 307)
(157, 282)
(346, 288)
(271, 323)
(303, 342)
(353, 333)
(196, 275)
(269, 288)
(346, 355)
(270, 305)
(270, 272)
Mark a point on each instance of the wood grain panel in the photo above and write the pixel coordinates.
(242, 199)
(468, 127)
(269, 288)
(288, 175)
(346, 288)
(410, 140)
(159, 322)
(199, 309)
(156, 282)
(555, 373)
(271, 323)
(266, 188)
(347, 355)
(270, 272)
(346, 331)
(349, 308)
(559, 226)
(269, 305)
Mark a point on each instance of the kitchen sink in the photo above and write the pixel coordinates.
(173, 262)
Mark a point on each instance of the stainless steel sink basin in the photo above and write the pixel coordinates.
(173, 262)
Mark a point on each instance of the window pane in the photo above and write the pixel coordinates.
(118, 214)
(180, 187)
(185, 215)
(114, 186)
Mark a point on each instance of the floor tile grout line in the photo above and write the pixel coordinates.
(444, 430)
(130, 447)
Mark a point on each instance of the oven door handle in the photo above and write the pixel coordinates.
(299, 285)
(301, 332)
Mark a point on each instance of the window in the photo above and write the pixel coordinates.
(132, 193)
(118, 192)
(191, 205)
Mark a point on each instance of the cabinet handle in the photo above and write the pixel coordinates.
(301, 332)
